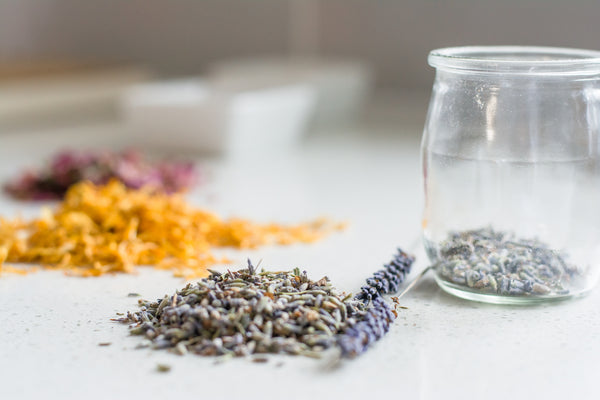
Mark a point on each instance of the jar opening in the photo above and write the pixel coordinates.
(517, 60)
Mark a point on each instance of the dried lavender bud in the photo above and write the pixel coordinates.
(246, 312)
(388, 279)
(378, 318)
(498, 263)
(375, 323)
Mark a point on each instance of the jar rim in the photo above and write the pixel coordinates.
(528, 60)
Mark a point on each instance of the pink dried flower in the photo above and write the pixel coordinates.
(69, 167)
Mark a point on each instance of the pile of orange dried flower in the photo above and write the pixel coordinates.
(111, 229)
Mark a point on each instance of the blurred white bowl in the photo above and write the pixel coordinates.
(269, 120)
(342, 86)
(194, 116)
(178, 115)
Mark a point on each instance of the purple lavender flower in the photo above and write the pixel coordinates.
(376, 322)
(388, 279)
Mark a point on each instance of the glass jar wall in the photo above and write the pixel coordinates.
(511, 165)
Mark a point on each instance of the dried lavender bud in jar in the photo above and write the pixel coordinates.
(495, 262)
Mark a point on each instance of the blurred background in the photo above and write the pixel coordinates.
(215, 73)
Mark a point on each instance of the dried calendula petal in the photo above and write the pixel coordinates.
(110, 229)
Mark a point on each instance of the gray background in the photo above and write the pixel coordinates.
(182, 36)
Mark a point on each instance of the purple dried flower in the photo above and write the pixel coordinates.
(69, 167)
(388, 279)
(377, 320)
(374, 324)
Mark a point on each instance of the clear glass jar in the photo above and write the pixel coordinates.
(511, 168)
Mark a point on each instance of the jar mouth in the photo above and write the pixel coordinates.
(524, 60)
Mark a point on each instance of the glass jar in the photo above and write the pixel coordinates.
(511, 166)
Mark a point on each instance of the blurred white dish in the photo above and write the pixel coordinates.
(178, 115)
(342, 86)
(269, 120)
(195, 116)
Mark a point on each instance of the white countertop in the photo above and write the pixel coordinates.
(369, 175)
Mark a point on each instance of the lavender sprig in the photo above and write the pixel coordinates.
(375, 323)
(377, 320)
(388, 279)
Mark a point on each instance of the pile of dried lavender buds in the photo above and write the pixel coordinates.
(246, 312)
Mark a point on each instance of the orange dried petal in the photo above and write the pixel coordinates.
(110, 229)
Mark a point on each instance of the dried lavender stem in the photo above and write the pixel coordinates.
(376, 322)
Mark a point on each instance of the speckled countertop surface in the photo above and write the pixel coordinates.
(369, 175)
